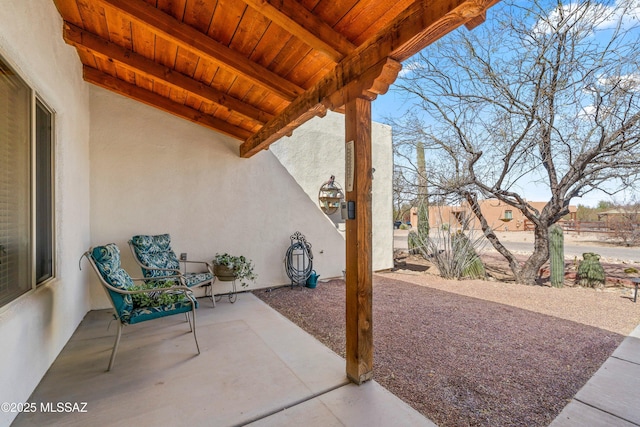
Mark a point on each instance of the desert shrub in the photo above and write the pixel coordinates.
(471, 265)
(590, 272)
(454, 253)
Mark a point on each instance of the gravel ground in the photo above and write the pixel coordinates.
(474, 353)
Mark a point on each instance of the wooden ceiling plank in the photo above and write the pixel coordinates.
(173, 7)
(82, 39)
(189, 38)
(274, 40)
(87, 58)
(69, 10)
(186, 62)
(332, 11)
(249, 32)
(205, 71)
(352, 22)
(198, 14)
(165, 52)
(111, 83)
(297, 20)
(290, 55)
(119, 29)
(179, 96)
(226, 19)
(93, 17)
(418, 26)
(309, 67)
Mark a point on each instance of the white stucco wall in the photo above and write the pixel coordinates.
(315, 151)
(153, 173)
(35, 327)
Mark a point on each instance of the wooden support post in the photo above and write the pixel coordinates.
(358, 231)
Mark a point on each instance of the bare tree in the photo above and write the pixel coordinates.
(623, 221)
(543, 93)
(402, 194)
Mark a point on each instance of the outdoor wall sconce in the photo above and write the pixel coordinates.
(330, 196)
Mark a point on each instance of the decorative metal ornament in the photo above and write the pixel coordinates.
(330, 196)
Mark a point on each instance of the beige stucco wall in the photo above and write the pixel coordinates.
(35, 327)
(154, 173)
(316, 151)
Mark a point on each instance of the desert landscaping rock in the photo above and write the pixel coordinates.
(474, 352)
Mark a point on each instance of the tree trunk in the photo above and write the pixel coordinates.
(529, 272)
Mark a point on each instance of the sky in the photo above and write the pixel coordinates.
(394, 104)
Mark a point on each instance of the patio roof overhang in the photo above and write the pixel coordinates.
(254, 69)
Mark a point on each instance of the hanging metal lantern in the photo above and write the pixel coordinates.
(330, 196)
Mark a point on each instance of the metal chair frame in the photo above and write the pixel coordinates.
(173, 289)
(208, 285)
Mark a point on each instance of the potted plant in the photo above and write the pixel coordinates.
(229, 267)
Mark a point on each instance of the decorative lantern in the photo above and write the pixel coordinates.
(330, 196)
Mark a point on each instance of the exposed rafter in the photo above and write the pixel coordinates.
(153, 99)
(297, 20)
(82, 39)
(193, 40)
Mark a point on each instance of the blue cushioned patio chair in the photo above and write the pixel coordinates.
(156, 258)
(152, 299)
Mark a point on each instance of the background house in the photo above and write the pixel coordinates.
(499, 215)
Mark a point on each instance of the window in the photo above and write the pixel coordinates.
(508, 215)
(43, 193)
(26, 188)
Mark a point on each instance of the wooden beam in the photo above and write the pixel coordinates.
(193, 40)
(140, 65)
(478, 20)
(419, 25)
(303, 24)
(423, 23)
(114, 84)
(330, 93)
(359, 275)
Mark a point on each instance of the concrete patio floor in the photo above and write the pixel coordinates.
(255, 367)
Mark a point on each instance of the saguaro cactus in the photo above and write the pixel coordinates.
(590, 271)
(556, 255)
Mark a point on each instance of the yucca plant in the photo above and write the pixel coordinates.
(471, 265)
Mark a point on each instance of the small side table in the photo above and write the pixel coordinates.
(636, 282)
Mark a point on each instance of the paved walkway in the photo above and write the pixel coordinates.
(611, 398)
